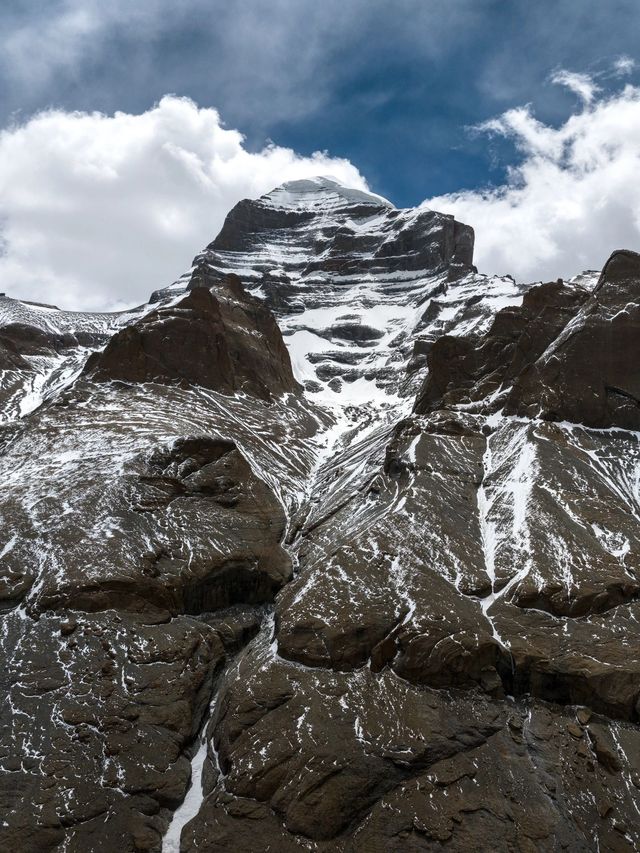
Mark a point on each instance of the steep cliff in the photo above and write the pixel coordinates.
(332, 546)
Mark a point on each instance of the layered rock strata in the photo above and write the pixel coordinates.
(377, 591)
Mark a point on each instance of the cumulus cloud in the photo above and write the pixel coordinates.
(573, 197)
(97, 211)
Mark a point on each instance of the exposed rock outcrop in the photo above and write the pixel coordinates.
(566, 354)
(470, 369)
(240, 616)
(102, 708)
(221, 338)
(589, 375)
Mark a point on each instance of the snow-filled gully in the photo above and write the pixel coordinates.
(518, 487)
(488, 538)
(194, 797)
(329, 444)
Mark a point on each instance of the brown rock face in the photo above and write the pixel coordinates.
(139, 546)
(469, 369)
(428, 240)
(222, 339)
(589, 374)
(92, 755)
(233, 619)
(197, 483)
(566, 354)
(116, 582)
(19, 340)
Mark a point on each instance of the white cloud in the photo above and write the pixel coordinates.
(97, 211)
(581, 85)
(263, 62)
(34, 47)
(573, 198)
(624, 65)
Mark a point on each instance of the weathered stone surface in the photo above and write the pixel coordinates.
(356, 761)
(564, 355)
(94, 726)
(428, 240)
(332, 734)
(530, 787)
(589, 374)
(129, 522)
(184, 527)
(222, 339)
(356, 629)
(41, 347)
(469, 369)
(405, 609)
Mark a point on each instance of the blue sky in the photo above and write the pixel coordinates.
(395, 88)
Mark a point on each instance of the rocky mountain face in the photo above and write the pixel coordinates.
(334, 545)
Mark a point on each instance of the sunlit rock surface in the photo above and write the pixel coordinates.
(332, 546)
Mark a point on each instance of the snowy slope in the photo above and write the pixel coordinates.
(54, 357)
(381, 612)
(359, 288)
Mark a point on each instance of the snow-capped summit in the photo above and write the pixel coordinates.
(320, 193)
(246, 569)
(358, 286)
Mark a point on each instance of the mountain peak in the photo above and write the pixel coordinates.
(320, 192)
(227, 502)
